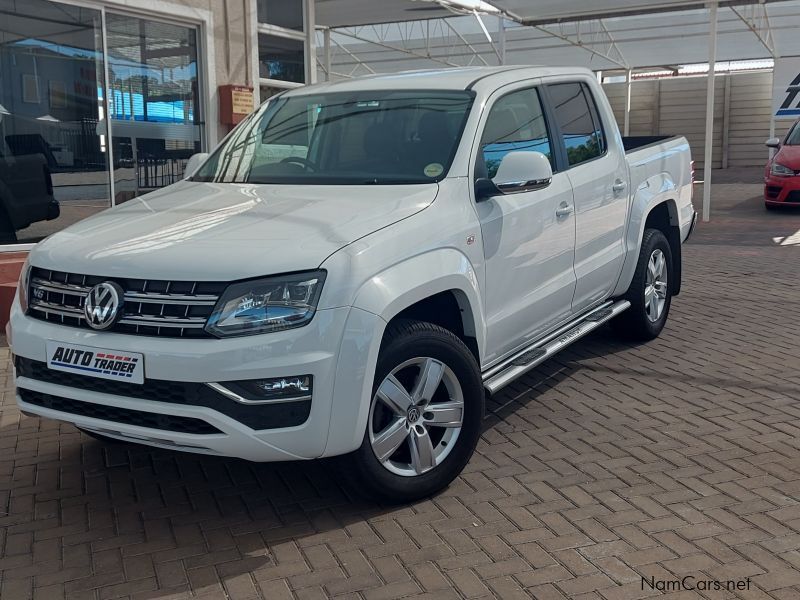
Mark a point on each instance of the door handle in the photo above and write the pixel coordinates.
(619, 186)
(564, 210)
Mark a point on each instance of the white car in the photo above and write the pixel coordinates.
(354, 268)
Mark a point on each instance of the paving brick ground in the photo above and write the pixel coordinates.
(609, 464)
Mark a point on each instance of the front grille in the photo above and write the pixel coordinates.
(773, 191)
(118, 415)
(259, 417)
(151, 307)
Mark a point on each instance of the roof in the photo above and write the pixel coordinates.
(347, 13)
(427, 79)
(608, 35)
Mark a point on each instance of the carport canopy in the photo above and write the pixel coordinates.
(602, 35)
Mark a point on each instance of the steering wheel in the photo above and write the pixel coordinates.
(307, 164)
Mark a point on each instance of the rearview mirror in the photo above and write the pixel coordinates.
(194, 163)
(773, 142)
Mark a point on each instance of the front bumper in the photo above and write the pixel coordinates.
(197, 421)
(782, 190)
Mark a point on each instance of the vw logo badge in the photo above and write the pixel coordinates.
(103, 305)
(413, 414)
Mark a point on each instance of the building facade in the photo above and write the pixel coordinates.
(102, 101)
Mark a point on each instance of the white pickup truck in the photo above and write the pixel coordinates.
(354, 268)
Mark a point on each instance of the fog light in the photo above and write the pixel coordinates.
(261, 391)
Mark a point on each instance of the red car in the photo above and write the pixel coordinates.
(782, 175)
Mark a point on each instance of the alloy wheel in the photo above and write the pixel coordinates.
(655, 289)
(416, 416)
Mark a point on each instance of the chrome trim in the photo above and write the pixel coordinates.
(156, 321)
(218, 387)
(60, 288)
(503, 374)
(139, 320)
(56, 309)
(199, 300)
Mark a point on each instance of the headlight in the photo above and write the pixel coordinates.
(22, 286)
(269, 304)
(781, 170)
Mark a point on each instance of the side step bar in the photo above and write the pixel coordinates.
(526, 359)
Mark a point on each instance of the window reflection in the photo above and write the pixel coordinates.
(53, 165)
(154, 102)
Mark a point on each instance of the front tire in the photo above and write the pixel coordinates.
(650, 292)
(425, 414)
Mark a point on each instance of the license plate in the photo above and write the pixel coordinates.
(96, 362)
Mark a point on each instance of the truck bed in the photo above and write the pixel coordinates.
(635, 142)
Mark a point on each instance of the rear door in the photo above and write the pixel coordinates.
(528, 247)
(598, 173)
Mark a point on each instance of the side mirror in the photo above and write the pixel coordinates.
(773, 143)
(194, 163)
(519, 171)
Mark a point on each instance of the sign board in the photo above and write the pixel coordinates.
(786, 88)
(235, 103)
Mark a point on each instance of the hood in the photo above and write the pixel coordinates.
(789, 156)
(223, 232)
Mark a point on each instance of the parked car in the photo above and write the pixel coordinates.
(354, 268)
(782, 174)
(26, 191)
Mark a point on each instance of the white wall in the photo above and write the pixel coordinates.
(742, 104)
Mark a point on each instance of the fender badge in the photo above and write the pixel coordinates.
(470, 239)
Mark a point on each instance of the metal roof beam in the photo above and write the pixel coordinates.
(393, 47)
(759, 24)
(595, 38)
(633, 12)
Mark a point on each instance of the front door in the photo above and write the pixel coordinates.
(529, 249)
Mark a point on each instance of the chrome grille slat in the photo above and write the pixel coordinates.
(55, 309)
(167, 310)
(60, 288)
(156, 321)
(204, 300)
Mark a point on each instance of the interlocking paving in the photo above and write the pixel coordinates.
(608, 464)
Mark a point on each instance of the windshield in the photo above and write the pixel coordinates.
(368, 137)
(793, 139)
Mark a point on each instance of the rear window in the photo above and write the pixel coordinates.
(578, 119)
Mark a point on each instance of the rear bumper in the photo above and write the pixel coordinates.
(782, 190)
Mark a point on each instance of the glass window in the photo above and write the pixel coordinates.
(577, 117)
(53, 148)
(793, 137)
(154, 102)
(386, 137)
(283, 13)
(281, 58)
(516, 122)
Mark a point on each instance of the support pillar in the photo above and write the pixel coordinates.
(709, 142)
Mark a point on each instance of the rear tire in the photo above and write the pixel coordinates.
(425, 414)
(650, 292)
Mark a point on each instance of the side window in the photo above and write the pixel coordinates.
(578, 120)
(515, 122)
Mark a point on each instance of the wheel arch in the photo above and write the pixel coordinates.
(440, 287)
(654, 205)
(417, 286)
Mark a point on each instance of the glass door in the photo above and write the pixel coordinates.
(53, 153)
(153, 103)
